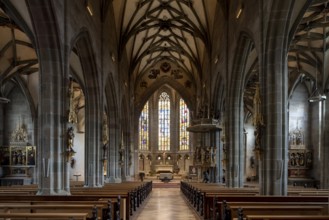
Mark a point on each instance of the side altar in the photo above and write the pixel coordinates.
(17, 160)
(300, 160)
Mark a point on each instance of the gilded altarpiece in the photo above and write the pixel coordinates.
(300, 157)
(18, 160)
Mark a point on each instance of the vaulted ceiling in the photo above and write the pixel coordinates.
(308, 53)
(17, 55)
(164, 39)
(168, 40)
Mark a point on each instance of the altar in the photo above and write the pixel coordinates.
(164, 167)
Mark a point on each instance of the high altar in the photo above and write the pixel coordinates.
(163, 167)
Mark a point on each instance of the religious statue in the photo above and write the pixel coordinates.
(207, 155)
(309, 159)
(213, 155)
(300, 159)
(105, 147)
(296, 137)
(70, 138)
(73, 118)
(19, 134)
(252, 162)
(105, 137)
(121, 156)
(292, 159)
(258, 121)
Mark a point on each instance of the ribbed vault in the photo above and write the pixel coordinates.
(309, 48)
(164, 38)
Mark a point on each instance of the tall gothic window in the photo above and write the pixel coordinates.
(144, 128)
(164, 122)
(183, 124)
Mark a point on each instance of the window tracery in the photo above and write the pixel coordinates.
(164, 122)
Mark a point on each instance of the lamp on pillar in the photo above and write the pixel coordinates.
(316, 96)
(2, 98)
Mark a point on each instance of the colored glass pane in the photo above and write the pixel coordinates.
(184, 122)
(164, 122)
(143, 128)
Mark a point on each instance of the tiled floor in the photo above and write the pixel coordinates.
(166, 204)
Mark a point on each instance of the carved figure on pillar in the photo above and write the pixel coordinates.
(73, 118)
(121, 156)
(213, 155)
(207, 155)
(257, 118)
(70, 139)
(105, 137)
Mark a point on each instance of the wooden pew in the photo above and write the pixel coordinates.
(44, 216)
(90, 196)
(227, 210)
(45, 208)
(324, 205)
(276, 209)
(286, 217)
(132, 193)
(211, 202)
(197, 194)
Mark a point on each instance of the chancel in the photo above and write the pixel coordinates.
(122, 109)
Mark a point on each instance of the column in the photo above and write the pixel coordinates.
(274, 145)
(52, 166)
(324, 144)
(218, 157)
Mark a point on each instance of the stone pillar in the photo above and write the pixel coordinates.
(218, 157)
(2, 123)
(52, 166)
(235, 153)
(324, 144)
(112, 156)
(118, 165)
(52, 169)
(274, 147)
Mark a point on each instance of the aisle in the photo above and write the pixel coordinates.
(165, 204)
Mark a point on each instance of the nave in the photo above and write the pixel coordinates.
(164, 204)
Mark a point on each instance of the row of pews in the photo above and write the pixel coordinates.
(111, 202)
(215, 201)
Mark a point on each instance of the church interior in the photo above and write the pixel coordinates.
(117, 94)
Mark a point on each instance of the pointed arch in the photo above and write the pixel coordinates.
(93, 110)
(234, 128)
(165, 81)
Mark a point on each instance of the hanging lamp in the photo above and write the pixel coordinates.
(316, 96)
(2, 98)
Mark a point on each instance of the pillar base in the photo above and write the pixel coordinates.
(112, 179)
(49, 192)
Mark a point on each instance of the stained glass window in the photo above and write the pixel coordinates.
(183, 124)
(164, 122)
(144, 128)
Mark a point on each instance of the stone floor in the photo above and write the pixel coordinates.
(166, 204)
